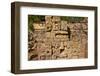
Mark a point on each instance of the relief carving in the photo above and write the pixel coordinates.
(58, 39)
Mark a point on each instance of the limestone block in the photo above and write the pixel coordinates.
(75, 57)
(55, 18)
(64, 25)
(84, 26)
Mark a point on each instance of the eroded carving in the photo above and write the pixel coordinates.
(58, 39)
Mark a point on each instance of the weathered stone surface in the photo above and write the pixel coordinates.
(57, 39)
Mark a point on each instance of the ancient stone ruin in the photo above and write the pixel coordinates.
(54, 39)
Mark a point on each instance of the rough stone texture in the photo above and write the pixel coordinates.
(57, 39)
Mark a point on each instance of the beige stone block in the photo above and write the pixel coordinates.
(75, 57)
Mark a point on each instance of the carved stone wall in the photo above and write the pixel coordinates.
(57, 39)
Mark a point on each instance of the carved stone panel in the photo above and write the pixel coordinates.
(58, 39)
